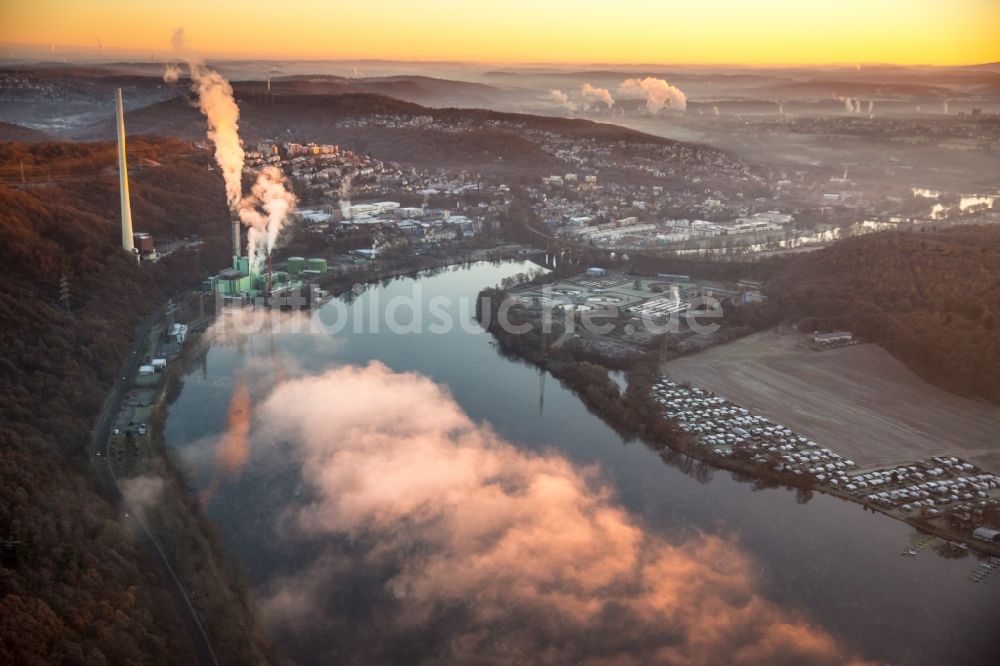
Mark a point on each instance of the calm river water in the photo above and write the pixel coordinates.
(394, 497)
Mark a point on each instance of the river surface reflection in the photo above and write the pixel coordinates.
(405, 497)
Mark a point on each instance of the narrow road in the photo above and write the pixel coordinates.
(102, 464)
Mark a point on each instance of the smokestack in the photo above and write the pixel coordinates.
(236, 236)
(127, 243)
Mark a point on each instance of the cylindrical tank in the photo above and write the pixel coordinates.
(316, 265)
(295, 265)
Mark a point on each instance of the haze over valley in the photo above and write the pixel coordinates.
(526, 334)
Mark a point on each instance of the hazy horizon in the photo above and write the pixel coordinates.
(721, 32)
(39, 54)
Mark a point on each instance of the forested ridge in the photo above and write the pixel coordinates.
(74, 586)
(930, 297)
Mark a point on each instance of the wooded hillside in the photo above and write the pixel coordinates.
(930, 297)
(74, 586)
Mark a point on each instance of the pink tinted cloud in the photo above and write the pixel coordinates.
(511, 555)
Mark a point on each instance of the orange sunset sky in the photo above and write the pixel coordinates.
(742, 32)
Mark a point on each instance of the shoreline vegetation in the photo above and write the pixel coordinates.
(633, 413)
(212, 577)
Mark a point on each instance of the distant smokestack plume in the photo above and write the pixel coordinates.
(597, 94)
(871, 106)
(658, 94)
(216, 102)
(265, 211)
(344, 195)
(172, 73)
(563, 100)
(715, 109)
(851, 105)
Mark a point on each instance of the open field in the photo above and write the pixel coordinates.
(857, 400)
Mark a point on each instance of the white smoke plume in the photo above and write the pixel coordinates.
(563, 100)
(597, 94)
(871, 106)
(172, 73)
(715, 109)
(658, 93)
(851, 105)
(944, 108)
(216, 102)
(344, 195)
(265, 211)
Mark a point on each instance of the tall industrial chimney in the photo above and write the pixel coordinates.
(236, 237)
(127, 243)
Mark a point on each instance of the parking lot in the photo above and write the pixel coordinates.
(858, 400)
(946, 488)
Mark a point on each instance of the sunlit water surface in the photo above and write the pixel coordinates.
(340, 563)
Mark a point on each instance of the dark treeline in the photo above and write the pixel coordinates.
(930, 297)
(74, 586)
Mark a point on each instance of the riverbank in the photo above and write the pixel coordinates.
(208, 579)
(133, 459)
(635, 412)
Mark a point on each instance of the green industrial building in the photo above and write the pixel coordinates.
(242, 281)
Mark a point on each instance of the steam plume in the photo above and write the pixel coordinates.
(265, 211)
(344, 195)
(172, 73)
(597, 94)
(851, 105)
(216, 102)
(563, 100)
(658, 93)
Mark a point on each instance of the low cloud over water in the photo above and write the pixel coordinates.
(433, 539)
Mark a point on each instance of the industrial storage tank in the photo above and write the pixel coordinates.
(318, 265)
(295, 265)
